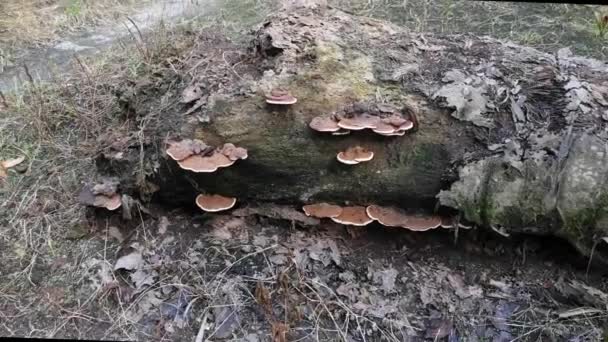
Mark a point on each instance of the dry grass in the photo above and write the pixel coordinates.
(545, 26)
(35, 21)
(56, 127)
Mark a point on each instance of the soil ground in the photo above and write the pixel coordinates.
(175, 273)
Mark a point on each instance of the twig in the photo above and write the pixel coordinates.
(28, 74)
(201, 331)
(141, 36)
(4, 101)
(84, 68)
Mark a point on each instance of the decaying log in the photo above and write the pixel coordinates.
(512, 137)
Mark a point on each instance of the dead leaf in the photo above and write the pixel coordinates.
(226, 321)
(386, 278)
(262, 296)
(163, 224)
(115, 233)
(279, 332)
(191, 93)
(129, 262)
(142, 278)
(439, 329)
(7, 164)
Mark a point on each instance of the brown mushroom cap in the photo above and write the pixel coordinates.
(384, 128)
(180, 150)
(277, 92)
(392, 217)
(359, 122)
(197, 163)
(109, 202)
(355, 155)
(355, 216)
(322, 124)
(395, 120)
(214, 203)
(406, 126)
(423, 223)
(322, 210)
(232, 152)
(280, 97)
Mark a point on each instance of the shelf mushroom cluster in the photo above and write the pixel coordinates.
(102, 195)
(355, 155)
(381, 119)
(280, 97)
(196, 156)
(387, 216)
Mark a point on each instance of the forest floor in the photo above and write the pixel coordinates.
(179, 274)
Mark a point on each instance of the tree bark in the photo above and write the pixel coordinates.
(512, 137)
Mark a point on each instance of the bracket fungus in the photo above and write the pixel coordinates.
(392, 217)
(194, 155)
(214, 203)
(180, 150)
(233, 153)
(322, 210)
(280, 97)
(104, 195)
(355, 155)
(359, 122)
(382, 119)
(354, 216)
(324, 124)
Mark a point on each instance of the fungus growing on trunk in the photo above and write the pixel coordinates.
(233, 153)
(359, 122)
(214, 203)
(197, 163)
(354, 216)
(389, 217)
(180, 150)
(361, 117)
(195, 155)
(392, 217)
(322, 210)
(102, 195)
(355, 155)
(280, 97)
(109, 202)
(384, 128)
(422, 223)
(323, 124)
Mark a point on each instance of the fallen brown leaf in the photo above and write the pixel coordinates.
(279, 332)
(7, 164)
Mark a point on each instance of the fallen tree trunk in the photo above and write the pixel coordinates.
(512, 137)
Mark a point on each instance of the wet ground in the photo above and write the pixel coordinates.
(178, 274)
(53, 58)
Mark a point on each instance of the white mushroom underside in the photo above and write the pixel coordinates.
(282, 102)
(346, 161)
(348, 223)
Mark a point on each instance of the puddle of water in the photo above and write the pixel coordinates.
(43, 63)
